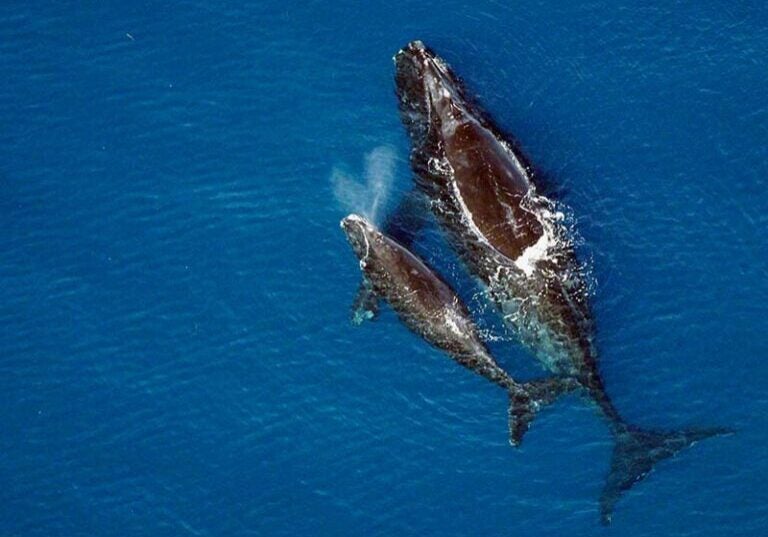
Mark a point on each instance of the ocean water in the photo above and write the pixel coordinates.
(176, 356)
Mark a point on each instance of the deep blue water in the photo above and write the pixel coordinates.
(175, 350)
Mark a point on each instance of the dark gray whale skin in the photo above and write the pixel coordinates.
(483, 193)
(427, 305)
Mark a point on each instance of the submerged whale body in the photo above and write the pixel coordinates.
(483, 193)
(429, 307)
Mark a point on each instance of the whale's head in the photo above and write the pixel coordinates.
(360, 233)
(428, 91)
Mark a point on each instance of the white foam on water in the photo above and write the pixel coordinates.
(534, 253)
(369, 193)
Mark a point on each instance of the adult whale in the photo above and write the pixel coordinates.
(427, 305)
(483, 193)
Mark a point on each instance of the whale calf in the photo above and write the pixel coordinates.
(514, 241)
(427, 305)
(402, 226)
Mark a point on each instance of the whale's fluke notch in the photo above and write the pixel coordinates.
(525, 404)
(403, 225)
(635, 453)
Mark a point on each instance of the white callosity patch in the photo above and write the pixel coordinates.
(364, 226)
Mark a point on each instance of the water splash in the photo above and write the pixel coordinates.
(369, 194)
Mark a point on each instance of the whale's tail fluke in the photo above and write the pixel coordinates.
(637, 451)
(525, 401)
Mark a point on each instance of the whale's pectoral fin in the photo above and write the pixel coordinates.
(527, 399)
(635, 453)
(366, 304)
